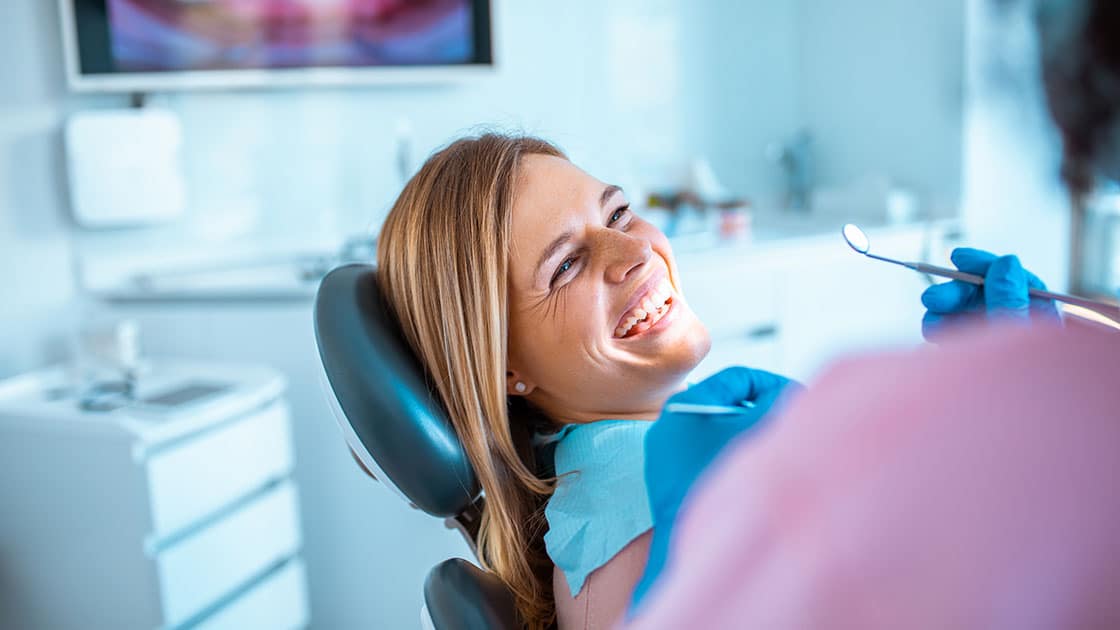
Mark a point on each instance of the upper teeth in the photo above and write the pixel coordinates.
(652, 305)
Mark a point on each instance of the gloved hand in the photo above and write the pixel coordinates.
(680, 446)
(1004, 294)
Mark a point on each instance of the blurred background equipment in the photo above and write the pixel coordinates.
(794, 158)
(1100, 269)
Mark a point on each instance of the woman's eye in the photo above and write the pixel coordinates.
(618, 215)
(562, 269)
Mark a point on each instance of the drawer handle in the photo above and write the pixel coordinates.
(765, 331)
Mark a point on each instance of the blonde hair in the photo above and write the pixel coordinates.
(443, 257)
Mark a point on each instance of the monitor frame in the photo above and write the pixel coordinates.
(172, 81)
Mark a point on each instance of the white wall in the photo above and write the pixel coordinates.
(36, 286)
(880, 88)
(745, 95)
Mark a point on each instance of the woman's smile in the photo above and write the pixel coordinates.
(648, 305)
(665, 317)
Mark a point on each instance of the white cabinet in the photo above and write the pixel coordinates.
(275, 603)
(150, 517)
(216, 468)
(366, 551)
(792, 305)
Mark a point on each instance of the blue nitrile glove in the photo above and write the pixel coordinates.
(1004, 294)
(680, 446)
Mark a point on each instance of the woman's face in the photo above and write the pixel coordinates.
(598, 327)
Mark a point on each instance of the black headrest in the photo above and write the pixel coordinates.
(392, 421)
(461, 596)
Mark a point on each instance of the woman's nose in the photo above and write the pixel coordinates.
(625, 254)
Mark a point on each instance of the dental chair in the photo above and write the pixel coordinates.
(399, 433)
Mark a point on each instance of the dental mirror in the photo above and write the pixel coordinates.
(857, 238)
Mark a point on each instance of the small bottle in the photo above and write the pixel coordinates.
(735, 220)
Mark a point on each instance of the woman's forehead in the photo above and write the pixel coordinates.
(549, 184)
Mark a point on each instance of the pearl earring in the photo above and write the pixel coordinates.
(520, 387)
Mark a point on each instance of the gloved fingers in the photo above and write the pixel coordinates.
(1045, 310)
(791, 387)
(930, 323)
(972, 260)
(1005, 293)
(1005, 287)
(731, 386)
(1042, 307)
(1034, 281)
(936, 325)
(950, 297)
(766, 399)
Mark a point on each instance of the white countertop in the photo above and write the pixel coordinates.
(48, 400)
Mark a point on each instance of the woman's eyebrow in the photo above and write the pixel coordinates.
(608, 192)
(556, 244)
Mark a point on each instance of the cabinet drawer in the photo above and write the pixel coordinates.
(194, 479)
(731, 300)
(198, 571)
(279, 602)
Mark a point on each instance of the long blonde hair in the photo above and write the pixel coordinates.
(443, 257)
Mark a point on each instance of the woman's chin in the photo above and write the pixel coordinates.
(699, 344)
(683, 347)
(703, 341)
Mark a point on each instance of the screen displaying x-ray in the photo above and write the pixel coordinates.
(169, 35)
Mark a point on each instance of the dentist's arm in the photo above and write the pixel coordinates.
(967, 486)
(680, 447)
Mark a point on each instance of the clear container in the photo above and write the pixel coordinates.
(107, 358)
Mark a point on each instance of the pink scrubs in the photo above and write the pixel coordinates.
(974, 484)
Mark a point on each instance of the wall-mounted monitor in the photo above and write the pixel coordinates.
(157, 45)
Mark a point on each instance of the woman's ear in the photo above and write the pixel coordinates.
(516, 385)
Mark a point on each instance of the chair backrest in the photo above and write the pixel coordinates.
(398, 430)
(391, 419)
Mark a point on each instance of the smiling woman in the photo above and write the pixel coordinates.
(544, 310)
(597, 327)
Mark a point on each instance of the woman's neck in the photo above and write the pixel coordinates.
(648, 409)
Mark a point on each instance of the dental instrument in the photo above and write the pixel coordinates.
(709, 410)
(857, 239)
